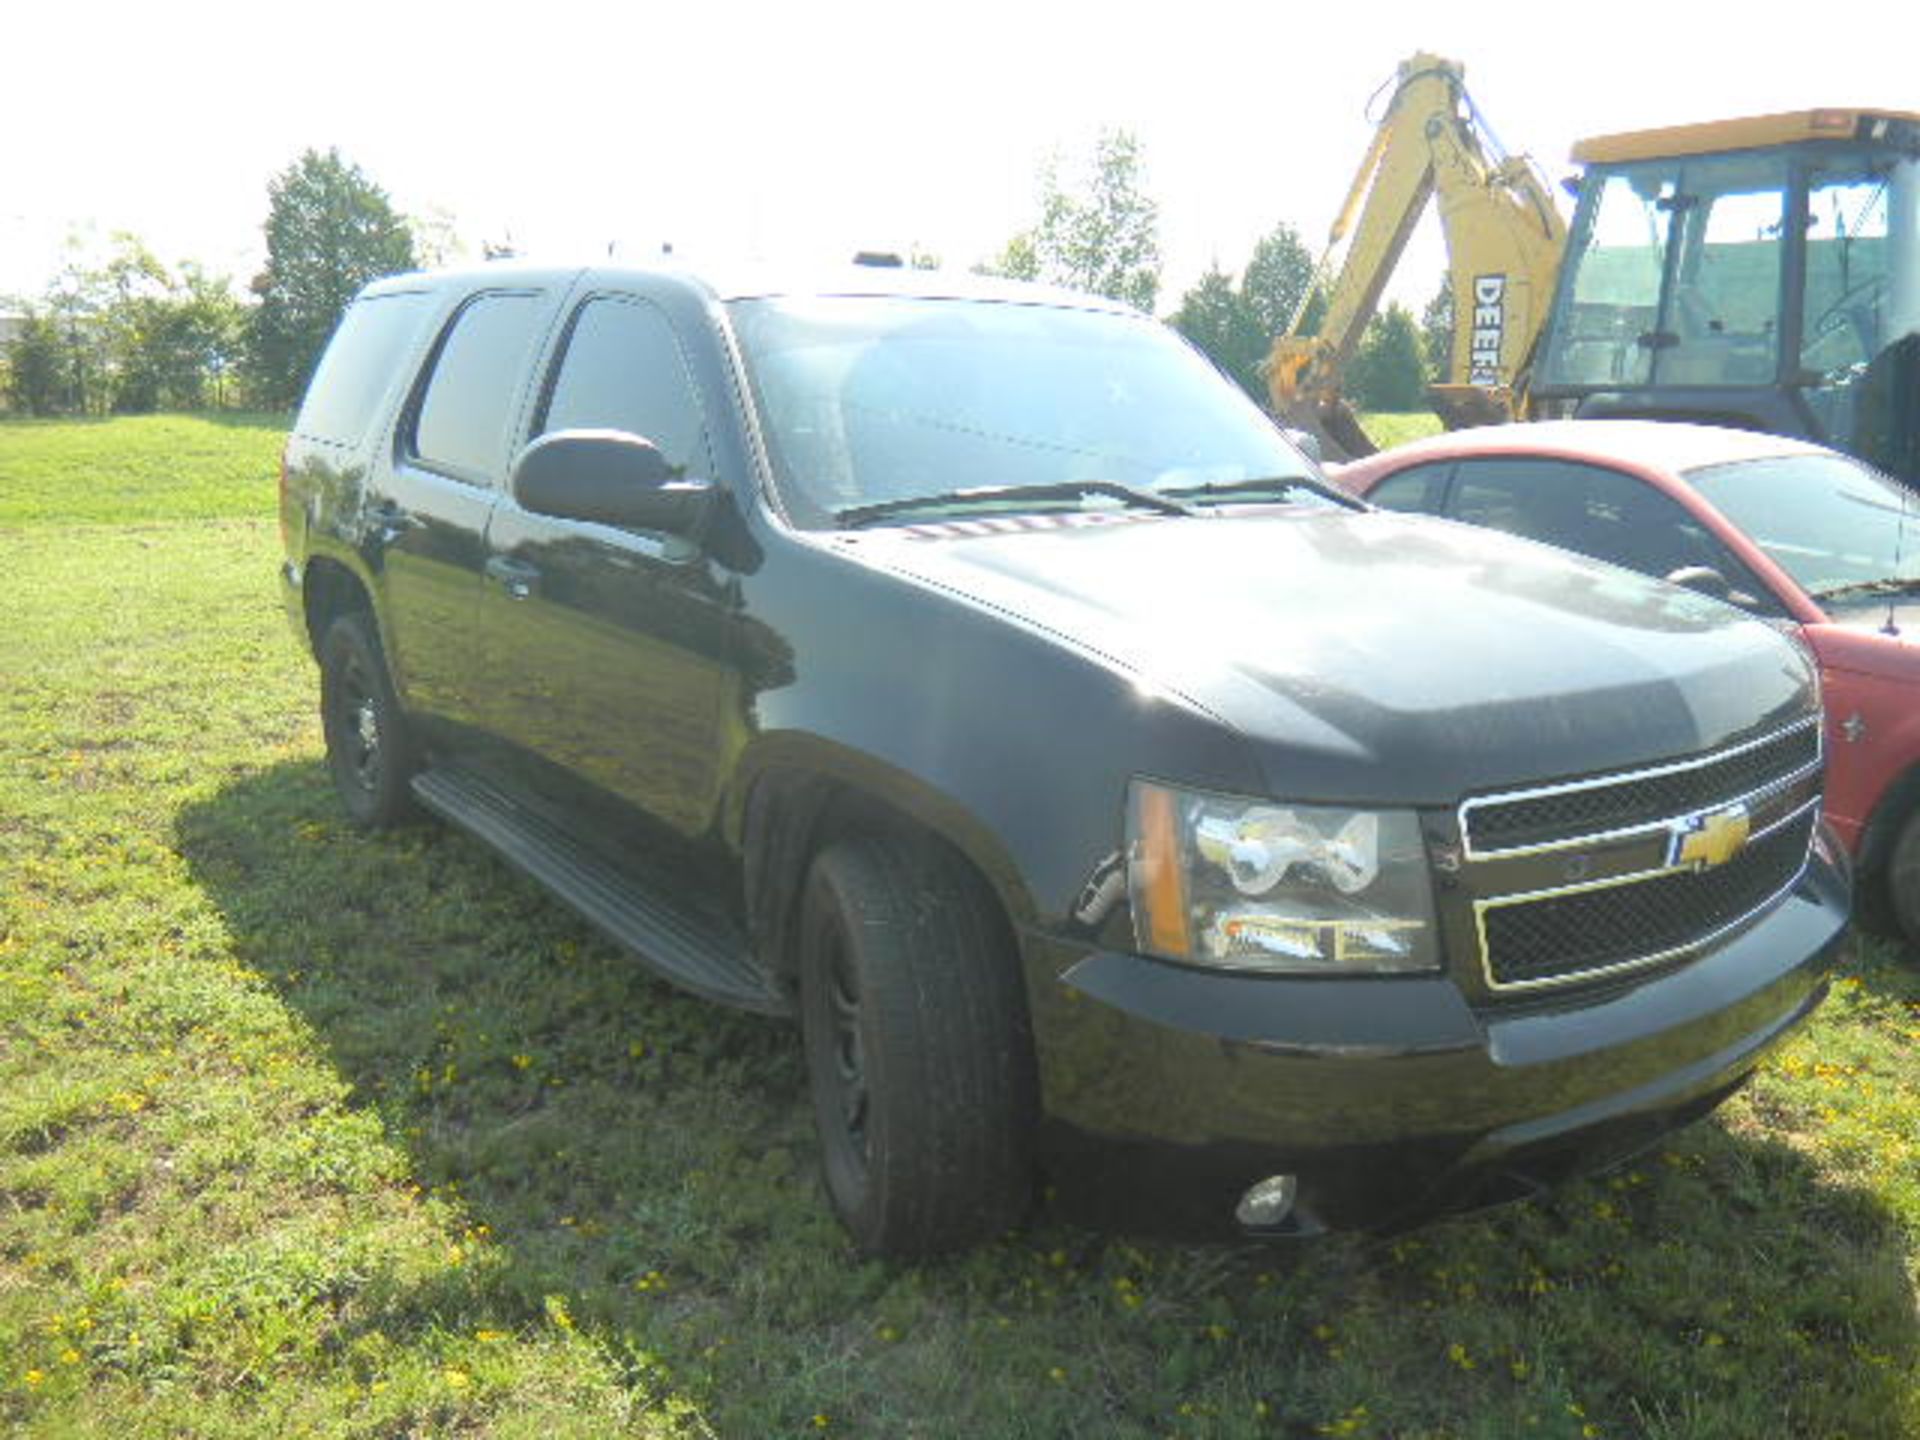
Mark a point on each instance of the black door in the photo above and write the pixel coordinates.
(428, 519)
(608, 651)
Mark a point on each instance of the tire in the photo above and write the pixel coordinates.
(919, 1057)
(1902, 880)
(369, 749)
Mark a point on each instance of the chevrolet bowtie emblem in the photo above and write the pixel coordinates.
(1701, 842)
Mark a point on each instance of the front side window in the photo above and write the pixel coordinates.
(870, 401)
(622, 370)
(470, 398)
(1600, 512)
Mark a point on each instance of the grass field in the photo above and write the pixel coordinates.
(309, 1133)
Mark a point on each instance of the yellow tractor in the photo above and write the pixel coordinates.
(1760, 272)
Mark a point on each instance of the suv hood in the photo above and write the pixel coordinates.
(1376, 656)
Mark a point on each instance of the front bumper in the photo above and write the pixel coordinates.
(1169, 1091)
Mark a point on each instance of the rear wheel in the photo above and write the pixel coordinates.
(917, 1046)
(368, 747)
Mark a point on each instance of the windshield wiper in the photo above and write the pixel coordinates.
(995, 495)
(1891, 585)
(1277, 486)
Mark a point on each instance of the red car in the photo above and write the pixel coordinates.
(1792, 531)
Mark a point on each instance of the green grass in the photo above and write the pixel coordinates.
(1388, 429)
(305, 1133)
(133, 467)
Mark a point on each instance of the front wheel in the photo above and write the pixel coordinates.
(368, 746)
(918, 1050)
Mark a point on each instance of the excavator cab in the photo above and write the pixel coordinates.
(1760, 273)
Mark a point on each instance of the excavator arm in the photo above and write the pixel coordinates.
(1504, 241)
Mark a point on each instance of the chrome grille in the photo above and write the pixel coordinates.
(1587, 933)
(1598, 876)
(1556, 814)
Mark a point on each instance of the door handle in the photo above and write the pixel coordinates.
(516, 577)
(390, 523)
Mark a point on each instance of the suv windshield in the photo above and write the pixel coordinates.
(870, 402)
(1840, 528)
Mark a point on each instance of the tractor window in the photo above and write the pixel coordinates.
(1863, 286)
(1724, 306)
(1846, 267)
(1615, 290)
(1676, 276)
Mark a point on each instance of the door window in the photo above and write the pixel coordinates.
(469, 403)
(621, 369)
(1600, 512)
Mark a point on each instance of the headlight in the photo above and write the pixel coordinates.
(1255, 885)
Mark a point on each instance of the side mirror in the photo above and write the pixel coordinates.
(608, 477)
(1702, 578)
(1306, 442)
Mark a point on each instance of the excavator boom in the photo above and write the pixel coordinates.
(1504, 239)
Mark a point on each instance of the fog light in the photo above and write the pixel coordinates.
(1267, 1204)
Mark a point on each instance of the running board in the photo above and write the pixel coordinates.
(697, 952)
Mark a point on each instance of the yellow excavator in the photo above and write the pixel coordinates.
(1760, 272)
(1504, 241)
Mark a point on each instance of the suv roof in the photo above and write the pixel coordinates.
(749, 280)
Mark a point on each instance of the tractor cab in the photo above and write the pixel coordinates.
(1761, 273)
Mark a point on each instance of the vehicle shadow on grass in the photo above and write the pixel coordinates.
(648, 1158)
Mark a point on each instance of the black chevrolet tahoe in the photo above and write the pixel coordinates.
(969, 671)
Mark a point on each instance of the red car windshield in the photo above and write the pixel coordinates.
(1838, 527)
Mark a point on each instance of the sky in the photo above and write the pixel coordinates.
(809, 131)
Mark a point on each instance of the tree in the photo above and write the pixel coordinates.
(1436, 329)
(1388, 371)
(1219, 319)
(330, 230)
(1277, 276)
(1237, 325)
(117, 330)
(1102, 237)
(173, 350)
(36, 365)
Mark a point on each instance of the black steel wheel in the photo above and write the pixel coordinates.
(368, 746)
(918, 1051)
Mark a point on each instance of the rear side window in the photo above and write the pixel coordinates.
(461, 426)
(360, 362)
